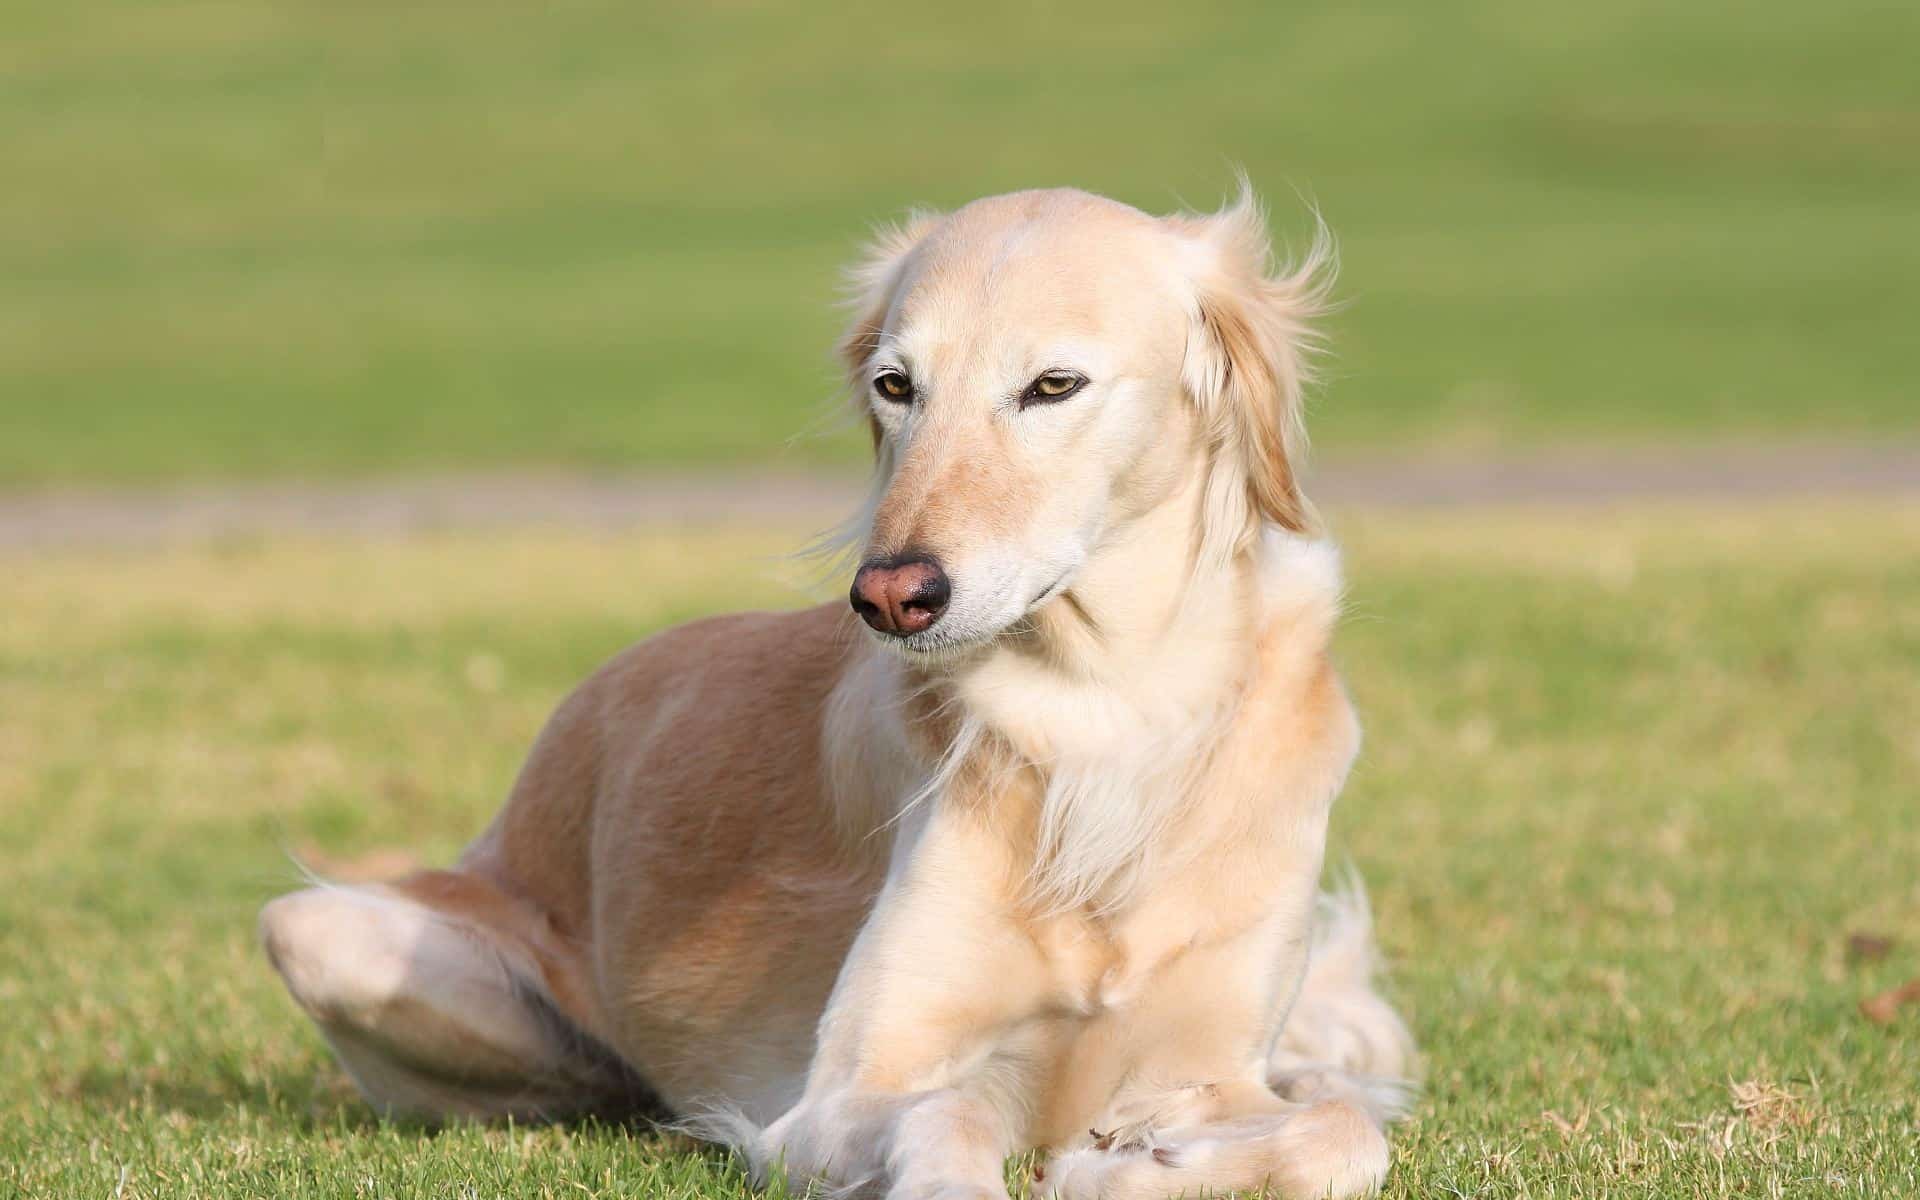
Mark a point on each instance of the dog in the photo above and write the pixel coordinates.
(1019, 849)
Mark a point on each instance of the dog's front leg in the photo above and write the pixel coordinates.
(918, 1082)
(942, 1144)
(1196, 1116)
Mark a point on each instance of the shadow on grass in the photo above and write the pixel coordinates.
(301, 1098)
(308, 1100)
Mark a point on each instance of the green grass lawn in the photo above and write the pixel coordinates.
(299, 237)
(1631, 780)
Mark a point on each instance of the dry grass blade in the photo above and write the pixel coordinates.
(1768, 1106)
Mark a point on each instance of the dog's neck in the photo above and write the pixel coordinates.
(1096, 727)
(1110, 705)
(1153, 632)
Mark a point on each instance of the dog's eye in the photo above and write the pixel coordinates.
(1054, 385)
(892, 385)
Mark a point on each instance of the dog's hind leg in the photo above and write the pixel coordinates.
(1342, 1040)
(444, 997)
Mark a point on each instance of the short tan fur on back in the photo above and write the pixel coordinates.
(1036, 854)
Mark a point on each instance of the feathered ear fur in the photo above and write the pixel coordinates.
(1247, 365)
(871, 282)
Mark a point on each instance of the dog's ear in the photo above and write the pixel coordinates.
(1247, 363)
(871, 283)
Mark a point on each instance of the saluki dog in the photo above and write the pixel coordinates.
(1018, 850)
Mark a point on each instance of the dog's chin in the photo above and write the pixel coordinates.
(952, 640)
(939, 644)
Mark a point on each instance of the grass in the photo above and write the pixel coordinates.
(289, 237)
(1631, 780)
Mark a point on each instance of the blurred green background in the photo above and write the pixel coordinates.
(246, 239)
(1633, 777)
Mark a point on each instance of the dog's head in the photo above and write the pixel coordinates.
(1044, 369)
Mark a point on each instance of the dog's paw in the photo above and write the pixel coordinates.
(1112, 1172)
(1073, 1175)
(1135, 1123)
(946, 1190)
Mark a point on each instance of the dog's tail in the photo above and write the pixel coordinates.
(1342, 1038)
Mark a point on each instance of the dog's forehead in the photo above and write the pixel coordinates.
(1036, 266)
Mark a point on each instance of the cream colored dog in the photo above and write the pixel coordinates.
(1029, 862)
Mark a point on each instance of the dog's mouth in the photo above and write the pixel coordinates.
(1049, 592)
(938, 644)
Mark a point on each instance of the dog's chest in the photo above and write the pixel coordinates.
(1100, 963)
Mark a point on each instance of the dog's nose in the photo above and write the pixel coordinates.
(901, 596)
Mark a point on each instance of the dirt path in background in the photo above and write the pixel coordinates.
(491, 501)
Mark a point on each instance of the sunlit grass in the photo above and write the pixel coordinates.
(1630, 781)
